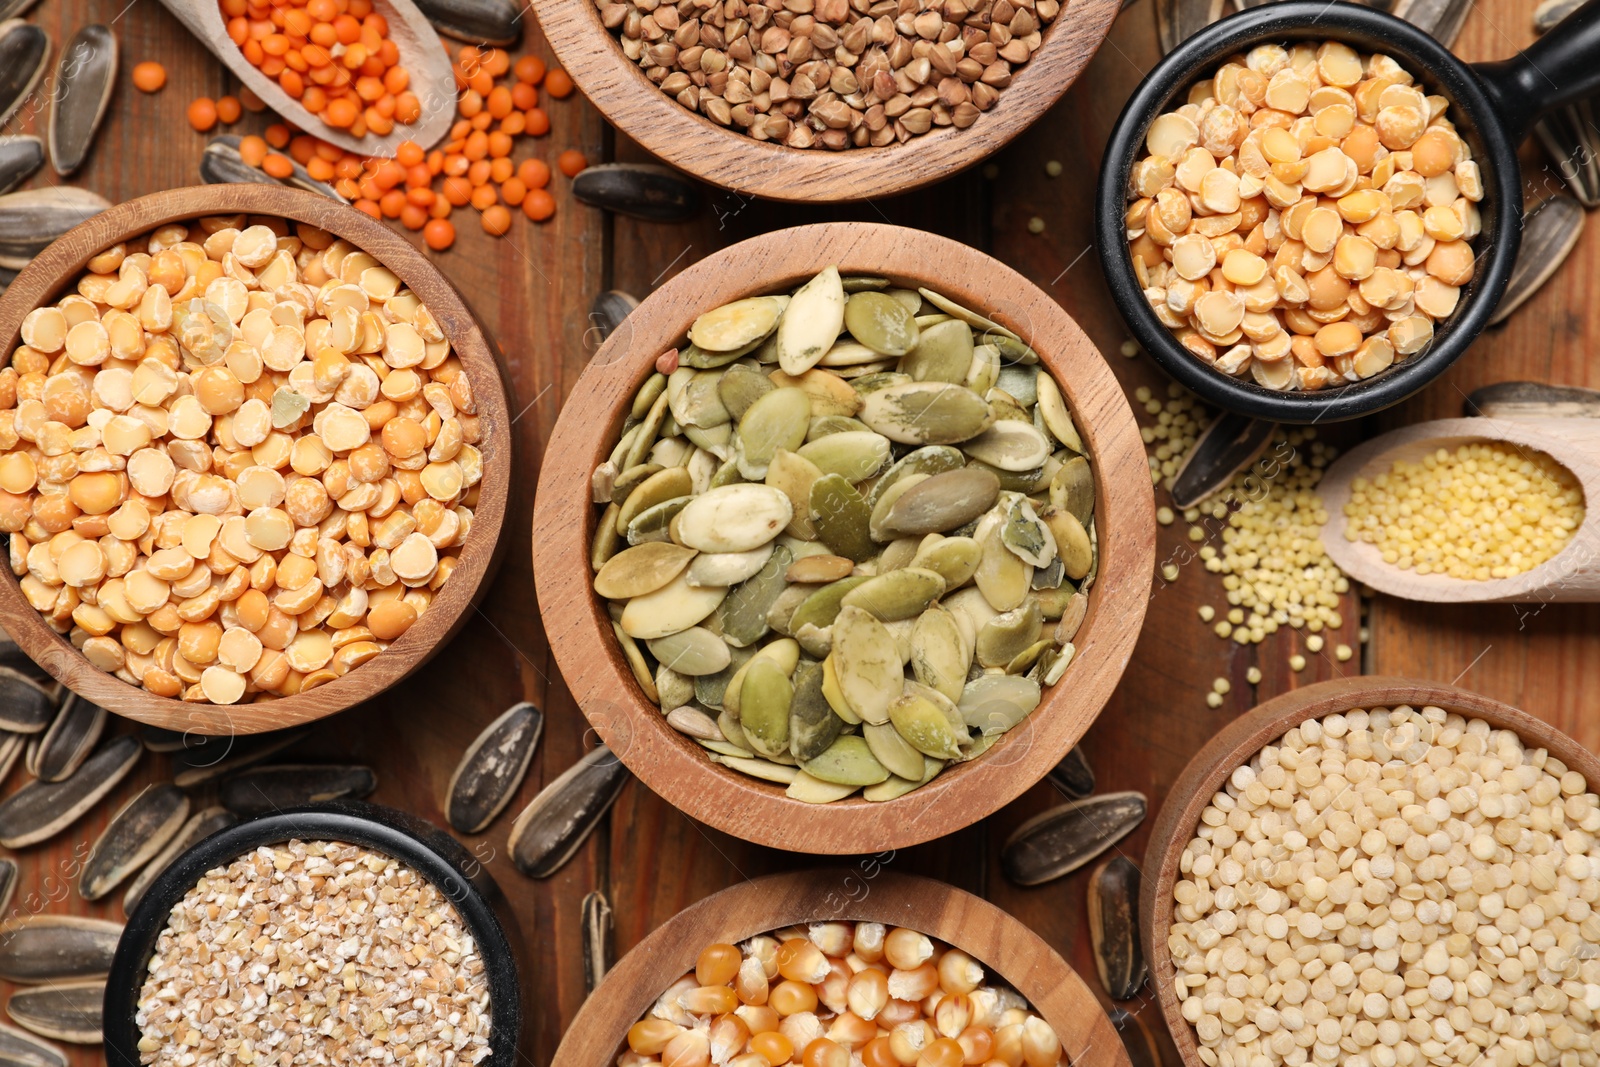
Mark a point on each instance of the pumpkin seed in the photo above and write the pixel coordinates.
(1072, 541)
(1007, 409)
(1002, 576)
(558, 821)
(728, 568)
(672, 689)
(971, 318)
(695, 651)
(943, 353)
(834, 695)
(939, 503)
(1024, 661)
(823, 425)
(1009, 634)
(828, 392)
(675, 606)
(984, 372)
(926, 413)
(848, 761)
(841, 518)
(848, 353)
(606, 538)
(899, 594)
(70, 738)
(744, 613)
(641, 569)
(648, 430)
(697, 404)
(1072, 489)
(1114, 927)
(1010, 445)
(853, 455)
(637, 664)
(765, 697)
(811, 323)
(1020, 383)
(895, 787)
(760, 768)
(740, 387)
(778, 420)
(813, 726)
(783, 609)
(867, 662)
(39, 810)
(809, 789)
(1059, 841)
(856, 283)
(692, 722)
(664, 485)
(939, 655)
(136, 833)
(930, 460)
(47, 949)
(894, 752)
(262, 790)
(1053, 410)
(881, 322)
(785, 653)
(622, 485)
(734, 518)
(1073, 776)
(739, 324)
(871, 383)
(929, 722)
(1027, 536)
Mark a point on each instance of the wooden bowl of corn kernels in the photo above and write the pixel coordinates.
(372, 640)
(1468, 778)
(1008, 952)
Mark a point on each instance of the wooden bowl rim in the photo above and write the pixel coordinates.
(580, 629)
(734, 161)
(868, 893)
(1240, 740)
(59, 263)
(1361, 561)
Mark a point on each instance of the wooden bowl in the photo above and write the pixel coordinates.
(62, 261)
(580, 629)
(731, 159)
(1573, 574)
(1241, 739)
(1007, 949)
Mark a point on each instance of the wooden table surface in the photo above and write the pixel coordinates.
(534, 287)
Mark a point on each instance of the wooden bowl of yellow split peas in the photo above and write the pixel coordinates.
(253, 466)
(1378, 871)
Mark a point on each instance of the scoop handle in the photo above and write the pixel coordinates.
(1557, 69)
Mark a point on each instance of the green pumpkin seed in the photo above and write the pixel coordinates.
(1023, 661)
(654, 522)
(1002, 576)
(926, 413)
(1024, 533)
(867, 662)
(939, 655)
(645, 434)
(1020, 382)
(899, 553)
(941, 502)
(857, 283)
(933, 459)
(794, 475)
(893, 751)
(1007, 409)
(886, 501)
(1008, 634)
(812, 724)
(606, 538)
(841, 518)
(823, 425)
(728, 724)
(1012, 349)
(811, 322)
(1011, 481)
(971, 318)
(821, 608)
(1072, 618)
(995, 703)
(985, 369)
(849, 354)
(809, 789)
(728, 568)
(943, 354)
(864, 370)
(740, 387)
(697, 403)
(725, 747)
(848, 761)
(929, 722)
(834, 695)
(663, 485)
(760, 768)
(829, 393)
(854, 456)
(897, 595)
(765, 696)
(1053, 410)
(784, 652)
(1072, 489)
(784, 607)
(651, 391)
(734, 518)
(1053, 603)
(672, 689)
(744, 612)
(739, 324)
(692, 355)
(971, 610)
(693, 652)
(814, 569)
(625, 483)
(1047, 578)
(642, 569)
(896, 787)
(777, 421)
(718, 440)
(1072, 541)
(955, 559)
(676, 606)
(1058, 665)
(1010, 445)
(711, 689)
(910, 299)
(637, 664)
(880, 322)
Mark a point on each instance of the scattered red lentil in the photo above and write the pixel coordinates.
(202, 113)
(571, 162)
(149, 76)
(538, 205)
(558, 83)
(228, 110)
(440, 234)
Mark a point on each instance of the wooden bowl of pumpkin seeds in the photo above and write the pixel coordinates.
(844, 537)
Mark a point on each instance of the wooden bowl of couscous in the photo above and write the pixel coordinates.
(253, 588)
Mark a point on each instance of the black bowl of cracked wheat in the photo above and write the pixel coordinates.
(368, 910)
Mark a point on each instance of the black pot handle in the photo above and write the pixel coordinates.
(1559, 68)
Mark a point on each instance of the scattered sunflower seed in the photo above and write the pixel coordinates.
(32, 218)
(1073, 776)
(39, 949)
(24, 55)
(134, 836)
(596, 939)
(70, 1011)
(646, 191)
(1114, 927)
(70, 738)
(557, 821)
(264, 790)
(19, 1049)
(1059, 841)
(84, 79)
(201, 825)
(492, 768)
(26, 707)
(20, 156)
(497, 22)
(221, 164)
(205, 759)
(608, 311)
(39, 810)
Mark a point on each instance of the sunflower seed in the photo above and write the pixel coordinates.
(1549, 234)
(492, 768)
(70, 738)
(497, 22)
(811, 322)
(926, 413)
(67, 1012)
(809, 789)
(264, 790)
(206, 759)
(607, 313)
(39, 810)
(596, 939)
(85, 77)
(1550, 13)
(19, 1049)
(1073, 776)
(641, 569)
(557, 821)
(692, 722)
(160, 739)
(38, 949)
(1114, 927)
(1229, 445)
(26, 707)
(201, 825)
(1059, 841)
(8, 887)
(136, 833)
(20, 156)
(24, 54)
(221, 164)
(642, 190)
(32, 218)
(11, 747)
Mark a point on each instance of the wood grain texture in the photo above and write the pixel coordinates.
(60, 264)
(1234, 746)
(731, 159)
(1572, 575)
(1003, 945)
(592, 662)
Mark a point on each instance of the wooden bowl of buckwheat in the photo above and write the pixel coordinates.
(253, 464)
(1377, 870)
(830, 102)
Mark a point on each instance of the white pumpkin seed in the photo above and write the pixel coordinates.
(694, 652)
(739, 324)
(812, 790)
(641, 569)
(727, 568)
(676, 606)
(734, 518)
(811, 322)
(1010, 445)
